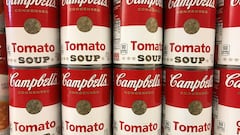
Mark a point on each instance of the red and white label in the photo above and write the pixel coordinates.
(228, 49)
(79, 47)
(34, 84)
(30, 53)
(181, 48)
(181, 89)
(227, 103)
(129, 87)
(29, 50)
(92, 85)
(133, 43)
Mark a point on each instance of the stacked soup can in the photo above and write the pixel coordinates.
(32, 38)
(189, 37)
(227, 73)
(4, 119)
(86, 71)
(137, 69)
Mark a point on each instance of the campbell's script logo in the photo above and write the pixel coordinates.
(93, 82)
(190, 3)
(150, 3)
(149, 82)
(233, 80)
(42, 81)
(28, 3)
(178, 82)
(82, 2)
(235, 3)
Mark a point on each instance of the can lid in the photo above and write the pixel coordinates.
(137, 66)
(189, 67)
(228, 66)
(97, 66)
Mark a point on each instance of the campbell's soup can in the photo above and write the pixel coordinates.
(186, 25)
(34, 99)
(137, 32)
(36, 24)
(188, 101)
(227, 119)
(86, 107)
(137, 100)
(228, 50)
(85, 32)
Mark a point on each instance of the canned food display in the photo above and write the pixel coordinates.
(120, 67)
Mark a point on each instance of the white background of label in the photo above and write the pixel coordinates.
(48, 113)
(152, 115)
(183, 116)
(46, 35)
(96, 115)
(180, 37)
(141, 35)
(228, 116)
(97, 34)
(229, 49)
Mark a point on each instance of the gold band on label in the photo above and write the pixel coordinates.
(34, 106)
(84, 24)
(83, 107)
(152, 25)
(32, 26)
(195, 107)
(191, 26)
(139, 107)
